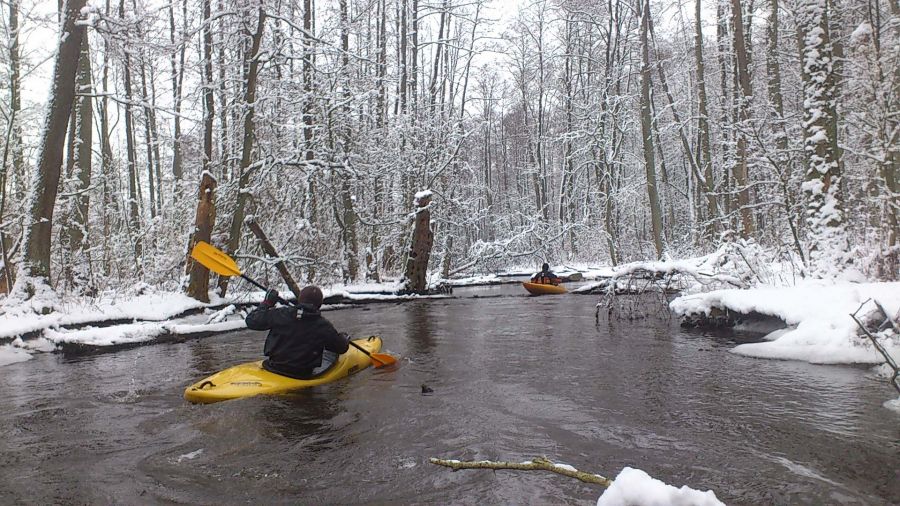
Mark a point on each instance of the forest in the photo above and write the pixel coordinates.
(568, 130)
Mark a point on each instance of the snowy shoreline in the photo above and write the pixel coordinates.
(819, 328)
(119, 320)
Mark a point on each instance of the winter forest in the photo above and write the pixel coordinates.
(596, 131)
(733, 163)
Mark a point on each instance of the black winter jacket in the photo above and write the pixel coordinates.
(546, 277)
(296, 338)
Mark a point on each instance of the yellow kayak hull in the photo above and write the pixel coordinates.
(250, 379)
(541, 289)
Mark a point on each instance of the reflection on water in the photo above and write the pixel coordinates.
(513, 377)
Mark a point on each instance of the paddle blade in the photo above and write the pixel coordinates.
(215, 259)
(382, 360)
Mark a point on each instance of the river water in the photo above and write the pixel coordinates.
(514, 377)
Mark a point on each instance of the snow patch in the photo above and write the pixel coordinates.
(189, 456)
(893, 405)
(821, 329)
(633, 487)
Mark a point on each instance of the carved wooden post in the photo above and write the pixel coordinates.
(420, 247)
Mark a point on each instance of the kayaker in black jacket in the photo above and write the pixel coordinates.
(546, 276)
(298, 337)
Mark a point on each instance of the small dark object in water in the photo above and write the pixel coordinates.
(426, 389)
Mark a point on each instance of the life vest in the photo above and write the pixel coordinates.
(546, 280)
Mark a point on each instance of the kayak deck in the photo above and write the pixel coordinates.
(542, 289)
(250, 379)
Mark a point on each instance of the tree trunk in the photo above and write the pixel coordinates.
(414, 59)
(381, 67)
(402, 49)
(308, 77)
(348, 215)
(741, 167)
(134, 218)
(726, 124)
(783, 159)
(198, 284)
(14, 141)
(828, 244)
(251, 63)
(177, 80)
(434, 85)
(34, 269)
(109, 205)
(647, 129)
(154, 140)
(224, 161)
(705, 154)
(148, 138)
(77, 269)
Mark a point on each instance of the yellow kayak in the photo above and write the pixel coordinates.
(247, 380)
(541, 289)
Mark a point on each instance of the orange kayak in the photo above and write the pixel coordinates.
(540, 289)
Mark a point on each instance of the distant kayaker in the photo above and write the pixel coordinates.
(301, 342)
(546, 276)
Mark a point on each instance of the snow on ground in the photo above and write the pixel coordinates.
(893, 405)
(136, 332)
(820, 329)
(146, 315)
(340, 289)
(484, 279)
(153, 306)
(633, 487)
(587, 271)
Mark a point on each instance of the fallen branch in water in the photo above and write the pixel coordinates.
(538, 464)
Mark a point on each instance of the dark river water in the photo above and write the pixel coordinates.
(514, 377)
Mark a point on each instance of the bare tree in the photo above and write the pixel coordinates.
(251, 63)
(646, 128)
(743, 76)
(134, 213)
(177, 60)
(34, 270)
(77, 269)
(705, 154)
(198, 283)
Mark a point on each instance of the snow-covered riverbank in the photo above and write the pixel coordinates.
(819, 328)
(145, 315)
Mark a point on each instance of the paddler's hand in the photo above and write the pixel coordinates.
(271, 298)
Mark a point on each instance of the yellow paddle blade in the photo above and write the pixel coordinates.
(215, 259)
(382, 359)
